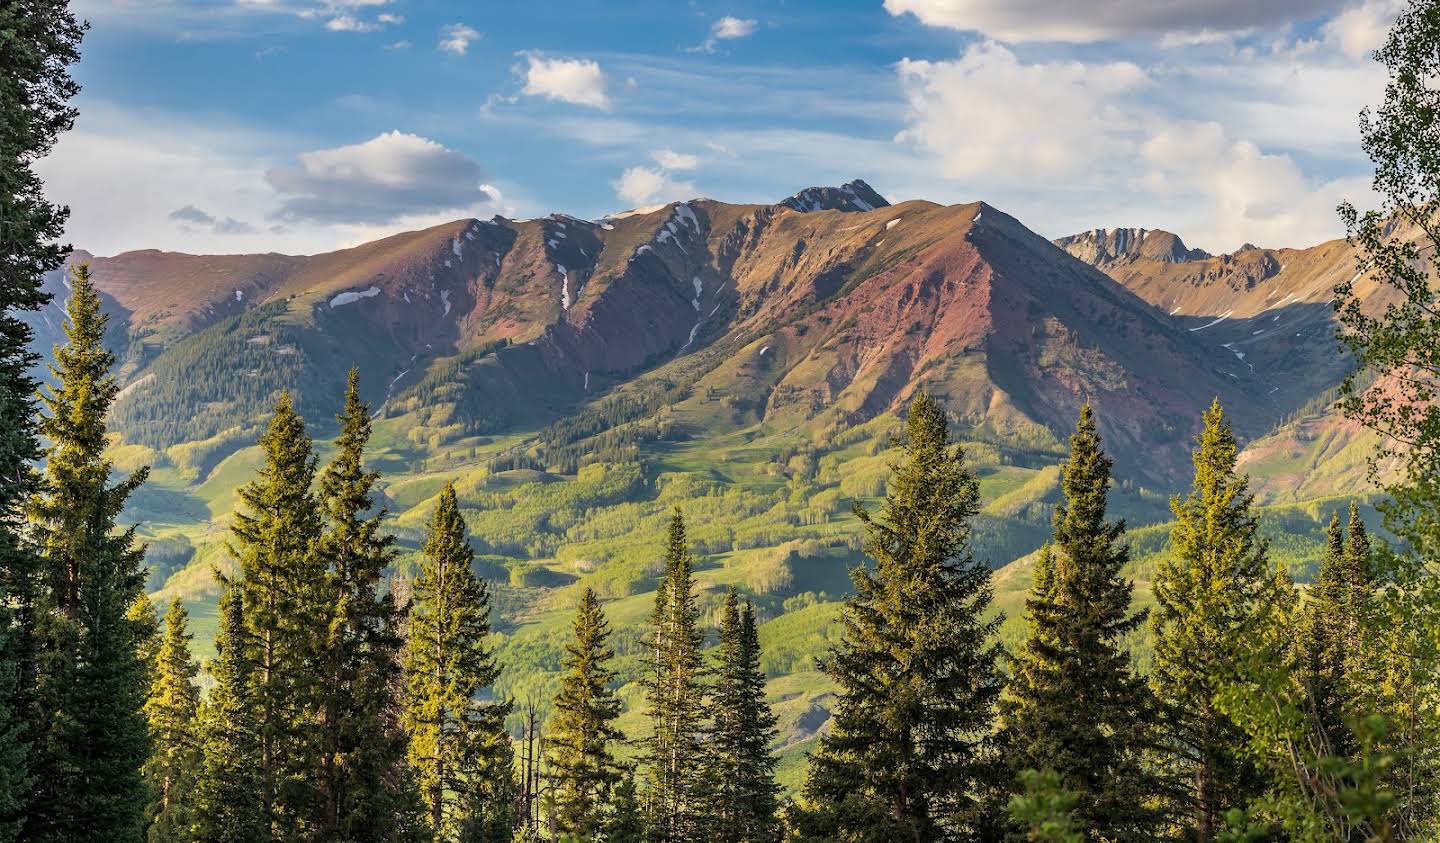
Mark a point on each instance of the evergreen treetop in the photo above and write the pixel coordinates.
(173, 713)
(675, 693)
(1074, 705)
(1211, 591)
(906, 755)
(582, 738)
(458, 744)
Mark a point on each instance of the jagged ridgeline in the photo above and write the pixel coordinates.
(576, 379)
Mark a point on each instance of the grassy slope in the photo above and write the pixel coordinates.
(769, 511)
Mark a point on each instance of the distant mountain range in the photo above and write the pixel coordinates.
(832, 306)
(577, 379)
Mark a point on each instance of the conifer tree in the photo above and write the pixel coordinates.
(1324, 651)
(675, 692)
(39, 39)
(173, 713)
(1210, 591)
(90, 678)
(458, 745)
(739, 765)
(1074, 706)
(146, 622)
(627, 819)
(286, 597)
(582, 729)
(905, 757)
(228, 785)
(365, 781)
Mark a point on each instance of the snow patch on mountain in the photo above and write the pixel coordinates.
(353, 296)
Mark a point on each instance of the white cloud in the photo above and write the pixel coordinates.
(576, 81)
(386, 178)
(727, 28)
(1361, 29)
(393, 20)
(1066, 20)
(669, 159)
(647, 186)
(456, 38)
(218, 169)
(350, 23)
(1061, 141)
(987, 113)
(730, 27)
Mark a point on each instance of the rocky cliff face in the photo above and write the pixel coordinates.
(1104, 246)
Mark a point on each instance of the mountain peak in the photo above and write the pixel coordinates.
(1104, 246)
(851, 196)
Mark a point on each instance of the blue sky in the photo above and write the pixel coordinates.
(306, 125)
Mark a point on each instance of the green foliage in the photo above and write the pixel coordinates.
(676, 809)
(228, 789)
(367, 792)
(1396, 384)
(582, 733)
(1073, 703)
(1211, 594)
(173, 714)
(91, 682)
(1045, 809)
(38, 42)
(738, 763)
(458, 746)
(286, 598)
(917, 667)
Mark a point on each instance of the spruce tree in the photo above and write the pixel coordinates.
(173, 714)
(39, 39)
(91, 683)
(458, 745)
(1213, 589)
(582, 737)
(365, 781)
(905, 757)
(739, 765)
(675, 693)
(228, 785)
(1074, 705)
(1325, 621)
(287, 602)
(627, 818)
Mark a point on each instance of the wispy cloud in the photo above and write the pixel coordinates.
(726, 29)
(456, 38)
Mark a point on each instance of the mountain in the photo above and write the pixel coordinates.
(750, 363)
(1271, 309)
(1106, 246)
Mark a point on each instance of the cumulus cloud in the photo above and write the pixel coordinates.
(456, 38)
(1362, 28)
(1065, 20)
(648, 186)
(727, 28)
(1073, 136)
(389, 177)
(576, 81)
(669, 159)
(987, 113)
